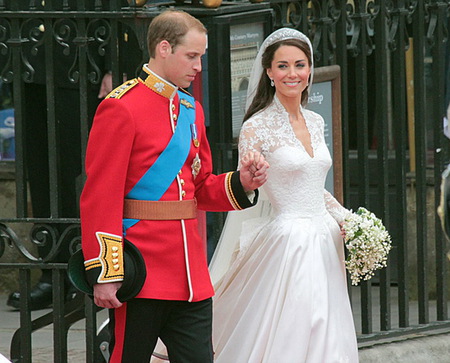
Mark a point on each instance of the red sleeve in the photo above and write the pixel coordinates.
(101, 205)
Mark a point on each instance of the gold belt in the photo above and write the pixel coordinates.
(160, 210)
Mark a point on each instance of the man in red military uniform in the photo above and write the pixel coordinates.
(148, 167)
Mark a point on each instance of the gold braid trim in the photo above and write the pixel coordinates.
(157, 84)
(123, 88)
(230, 193)
(110, 258)
(92, 264)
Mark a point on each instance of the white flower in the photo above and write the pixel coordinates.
(368, 244)
(159, 86)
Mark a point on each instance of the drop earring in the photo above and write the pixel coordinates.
(272, 83)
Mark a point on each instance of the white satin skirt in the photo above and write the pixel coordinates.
(284, 297)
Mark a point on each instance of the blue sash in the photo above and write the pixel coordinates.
(155, 182)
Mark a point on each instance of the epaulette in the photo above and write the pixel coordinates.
(123, 88)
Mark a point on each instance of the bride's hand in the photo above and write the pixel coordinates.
(253, 171)
(341, 226)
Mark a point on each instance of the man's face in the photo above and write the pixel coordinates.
(184, 62)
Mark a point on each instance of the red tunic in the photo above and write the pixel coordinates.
(131, 128)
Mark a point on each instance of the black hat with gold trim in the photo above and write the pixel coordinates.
(134, 273)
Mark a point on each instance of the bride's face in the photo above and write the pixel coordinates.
(290, 71)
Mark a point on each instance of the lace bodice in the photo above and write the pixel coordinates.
(296, 183)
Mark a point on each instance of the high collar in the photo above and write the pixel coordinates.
(280, 107)
(157, 84)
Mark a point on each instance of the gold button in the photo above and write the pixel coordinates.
(182, 181)
(115, 261)
(180, 172)
(116, 267)
(183, 193)
(115, 248)
(173, 107)
(174, 117)
(115, 254)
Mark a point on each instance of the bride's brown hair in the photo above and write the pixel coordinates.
(265, 92)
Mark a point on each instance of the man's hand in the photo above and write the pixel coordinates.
(253, 171)
(106, 85)
(105, 295)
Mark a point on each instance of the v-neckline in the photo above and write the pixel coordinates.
(280, 105)
(300, 141)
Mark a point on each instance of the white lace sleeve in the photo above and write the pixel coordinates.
(230, 239)
(337, 211)
(249, 140)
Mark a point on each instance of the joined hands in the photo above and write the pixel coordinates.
(253, 171)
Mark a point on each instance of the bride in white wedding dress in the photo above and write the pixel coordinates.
(281, 294)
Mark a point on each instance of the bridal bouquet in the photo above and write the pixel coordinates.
(368, 244)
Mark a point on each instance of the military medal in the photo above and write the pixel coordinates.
(186, 103)
(194, 135)
(196, 165)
